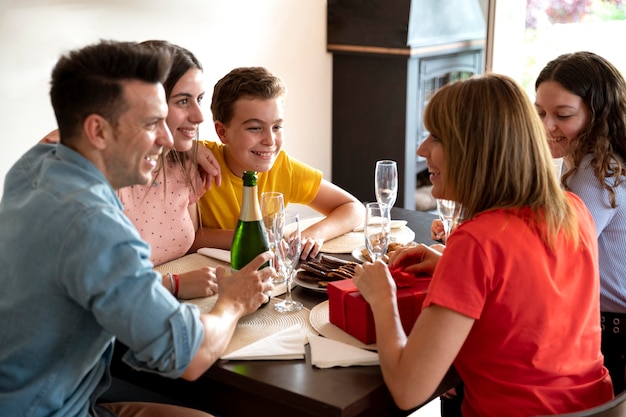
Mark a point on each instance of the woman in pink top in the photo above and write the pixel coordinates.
(165, 213)
(514, 298)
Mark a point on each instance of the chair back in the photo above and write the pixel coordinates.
(614, 408)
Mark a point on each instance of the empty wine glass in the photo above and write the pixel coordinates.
(288, 249)
(377, 229)
(386, 182)
(272, 205)
(445, 208)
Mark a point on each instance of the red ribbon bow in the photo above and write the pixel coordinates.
(402, 278)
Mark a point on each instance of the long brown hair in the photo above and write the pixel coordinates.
(496, 152)
(603, 91)
(182, 60)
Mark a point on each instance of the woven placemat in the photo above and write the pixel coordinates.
(321, 323)
(264, 322)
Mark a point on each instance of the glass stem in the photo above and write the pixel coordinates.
(288, 278)
(447, 225)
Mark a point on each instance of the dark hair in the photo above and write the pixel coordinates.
(89, 81)
(253, 82)
(182, 61)
(603, 91)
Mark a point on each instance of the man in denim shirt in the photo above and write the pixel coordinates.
(74, 272)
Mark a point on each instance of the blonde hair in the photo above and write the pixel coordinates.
(496, 153)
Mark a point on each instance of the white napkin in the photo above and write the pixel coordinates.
(326, 353)
(285, 344)
(219, 254)
(395, 224)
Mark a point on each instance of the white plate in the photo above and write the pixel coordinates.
(320, 321)
(308, 285)
(346, 243)
(358, 255)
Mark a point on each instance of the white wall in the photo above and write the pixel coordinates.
(286, 36)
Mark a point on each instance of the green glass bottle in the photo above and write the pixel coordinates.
(250, 238)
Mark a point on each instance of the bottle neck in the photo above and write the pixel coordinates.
(250, 208)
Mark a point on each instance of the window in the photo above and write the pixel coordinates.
(528, 34)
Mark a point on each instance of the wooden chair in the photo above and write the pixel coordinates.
(614, 408)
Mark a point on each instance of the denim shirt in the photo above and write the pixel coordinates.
(74, 275)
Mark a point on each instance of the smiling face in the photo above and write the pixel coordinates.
(139, 137)
(254, 135)
(564, 116)
(432, 150)
(185, 110)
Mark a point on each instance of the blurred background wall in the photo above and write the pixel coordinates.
(286, 36)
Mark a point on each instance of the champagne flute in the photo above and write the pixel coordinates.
(377, 229)
(288, 249)
(273, 204)
(445, 208)
(386, 182)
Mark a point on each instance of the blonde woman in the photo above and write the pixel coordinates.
(513, 302)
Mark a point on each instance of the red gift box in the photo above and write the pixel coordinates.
(349, 311)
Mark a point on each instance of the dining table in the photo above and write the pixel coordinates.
(287, 387)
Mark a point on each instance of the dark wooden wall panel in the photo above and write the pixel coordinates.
(369, 119)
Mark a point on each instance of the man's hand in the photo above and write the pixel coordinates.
(247, 287)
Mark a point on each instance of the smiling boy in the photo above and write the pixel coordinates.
(248, 108)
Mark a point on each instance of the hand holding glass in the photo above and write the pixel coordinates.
(445, 208)
(386, 182)
(377, 229)
(288, 250)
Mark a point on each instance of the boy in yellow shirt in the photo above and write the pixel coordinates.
(247, 107)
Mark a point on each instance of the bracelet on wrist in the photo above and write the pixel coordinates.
(176, 285)
(172, 285)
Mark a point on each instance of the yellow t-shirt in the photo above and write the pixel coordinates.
(220, 206)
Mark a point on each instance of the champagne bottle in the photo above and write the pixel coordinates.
(250, 238)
